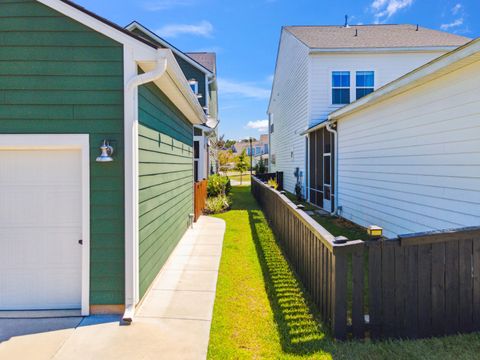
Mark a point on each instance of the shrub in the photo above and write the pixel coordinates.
(273, 183)
(260, 168)
(217, 204)
(218, 185)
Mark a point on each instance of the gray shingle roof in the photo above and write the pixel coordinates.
(209, 60)
(373, 36)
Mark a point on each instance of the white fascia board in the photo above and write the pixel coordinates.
(410, 80)
(143, 50)
(173, 84)
(442, 49)
(135, 25)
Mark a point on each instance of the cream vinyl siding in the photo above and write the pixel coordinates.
(412, 163)
(289, 106)
(387, 67)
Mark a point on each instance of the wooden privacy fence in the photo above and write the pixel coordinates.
(200, 197)
(277, 176)
(415, 286)
(319, 262)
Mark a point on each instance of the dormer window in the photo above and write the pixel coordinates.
(194, 85)
(340, 87)
(365, 81)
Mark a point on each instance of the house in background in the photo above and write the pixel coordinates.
(259, 149)
(82, 227)
(323, 68)
(409, 153)
(200, 69)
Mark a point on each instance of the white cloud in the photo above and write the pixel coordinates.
(203, 28)
(385, 9)
(160, 5)
(246, 90)
(260, 125)
(453, 24)
(456, 8)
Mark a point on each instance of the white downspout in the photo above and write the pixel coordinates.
(335, 177)
(131, 261)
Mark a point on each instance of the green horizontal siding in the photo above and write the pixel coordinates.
(58, 76)
(165, 180)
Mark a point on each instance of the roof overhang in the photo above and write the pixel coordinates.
(176, 88)
(454, 60)
(316, 127)
(137, 26)
(412, 49)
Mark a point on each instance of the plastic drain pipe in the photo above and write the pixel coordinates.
(135, 82)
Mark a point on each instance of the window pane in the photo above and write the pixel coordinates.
(340, 78)
(196, 149)
(365, 78)
(340, 96)
(326, 170)
(362, 92)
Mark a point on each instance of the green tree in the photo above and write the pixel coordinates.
(242, 164)
(260, 168)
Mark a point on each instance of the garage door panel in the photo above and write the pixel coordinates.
(40, 225)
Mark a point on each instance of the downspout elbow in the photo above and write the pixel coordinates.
(150, 76)
(330, 129)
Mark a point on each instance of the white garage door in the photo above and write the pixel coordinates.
(40, 229)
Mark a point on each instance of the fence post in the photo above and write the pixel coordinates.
(339, 295)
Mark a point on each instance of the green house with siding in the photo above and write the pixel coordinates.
(96, 159)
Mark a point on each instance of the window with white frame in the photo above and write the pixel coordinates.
(365, 82)
(340, 87)
(194, 85)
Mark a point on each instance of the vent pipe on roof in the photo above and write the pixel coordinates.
(346, 22)
(416, 28)
(356, 32)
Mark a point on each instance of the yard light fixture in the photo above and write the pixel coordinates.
(375, 231)
(107, 151)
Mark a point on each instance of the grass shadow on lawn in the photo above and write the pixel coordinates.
(301, 332)
(263, 311)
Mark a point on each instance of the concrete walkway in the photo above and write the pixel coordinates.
(173, 322)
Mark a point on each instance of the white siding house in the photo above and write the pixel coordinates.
(409, 154)
(289, 109)
(319, 70)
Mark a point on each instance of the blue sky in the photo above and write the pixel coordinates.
(245, 35)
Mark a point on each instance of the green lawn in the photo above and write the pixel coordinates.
(262, 312)
(245, 177)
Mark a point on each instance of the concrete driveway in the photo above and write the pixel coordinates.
(173, 321)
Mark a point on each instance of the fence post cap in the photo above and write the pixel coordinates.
(340, 240)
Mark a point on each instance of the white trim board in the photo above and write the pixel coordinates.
(136, 25)
(64, 142)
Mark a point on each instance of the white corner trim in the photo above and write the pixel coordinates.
(131, 180)
(64, 142)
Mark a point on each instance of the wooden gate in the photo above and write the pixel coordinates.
(200, 197)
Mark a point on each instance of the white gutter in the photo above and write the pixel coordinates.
(131, 263)
(150, 76)
(335, 167)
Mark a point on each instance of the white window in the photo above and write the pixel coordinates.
(340, 87)
(194, 85)
(365, 81)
